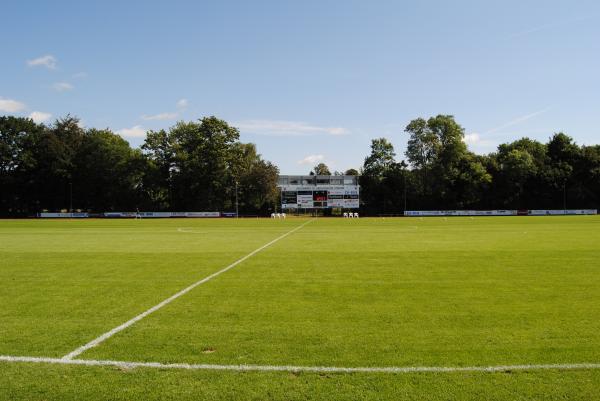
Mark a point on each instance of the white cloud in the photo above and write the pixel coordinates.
(80, 75)
(62, 86)
(287, 128)
(311, 159)
(160, 116)
(471, 138)
(136, 131)
(11, 106)
(40, 116)
(47, 61)
(182, 103)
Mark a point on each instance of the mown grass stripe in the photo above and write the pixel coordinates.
(173, 297)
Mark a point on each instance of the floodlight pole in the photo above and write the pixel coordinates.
(404, 192)
(70, 197)
(565, 196)
(237, 215)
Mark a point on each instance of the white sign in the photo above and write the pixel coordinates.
(413, 213)
(64, 215)
(305, 201)
(120, 214)
(155, 214)
(544, 212)
(202, 214)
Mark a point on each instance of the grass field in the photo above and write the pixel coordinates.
(341, 293)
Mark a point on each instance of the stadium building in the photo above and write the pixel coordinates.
(319, 192)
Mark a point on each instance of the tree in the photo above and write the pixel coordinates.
(108, 173)
(380, 177)
(159, 151)
(588, 177)
(423, 145)
(448, 172)
(54, 152)
(518, 168)
(18, 137)
(381, 158)
(321, 169)
(201, 174)
(198, 165)
(256, 179)
(202, 165)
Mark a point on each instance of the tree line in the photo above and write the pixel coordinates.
(193, 166)
(203, 166)
(441, 173)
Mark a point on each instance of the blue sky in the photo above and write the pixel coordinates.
(308, 81)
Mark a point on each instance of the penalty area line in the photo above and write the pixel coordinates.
(173, 297)
(290, 368)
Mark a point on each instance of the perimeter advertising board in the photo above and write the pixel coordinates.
(63, 215)
(544, 212)
(541, 212)
(423, 213)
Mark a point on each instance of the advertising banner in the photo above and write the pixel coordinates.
(154, 214)
(120, 214)
(335, 198)
(289, 199)
(422, 213)
(202, 214)
(305, 199)
(537, 212)
(179, 214)
(545, 212)
(64, 215)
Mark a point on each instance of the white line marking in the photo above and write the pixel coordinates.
(289, 368)
(142, 315)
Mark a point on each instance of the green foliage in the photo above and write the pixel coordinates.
(206, 162)
(381, 157)
(423, 145)
(108, 173)
(192, 166)
(320, 169)
(195, 166)
(18, 138)
(444, 174)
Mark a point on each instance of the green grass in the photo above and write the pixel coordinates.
(338, 292)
